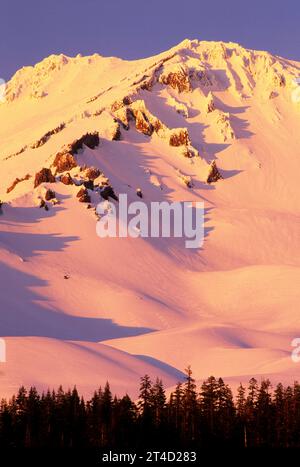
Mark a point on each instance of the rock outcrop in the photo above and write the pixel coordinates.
(66, 179)
(83, 195)
(142, 123)
(43, 176)
(64, 161)
(123, 116)
(145, 121)
(89, 184)
(185, 179)
(108, 192)
(47, 136)
(83, 191)
(84, 198)
(213, 174)
(115, 131)
(179, 137)
(189, 151)
(177, 77)
(50, 194)
(16, 181)
(210, 104)
(224, 125)
(92, 173)
(91, 140)
(120, 103)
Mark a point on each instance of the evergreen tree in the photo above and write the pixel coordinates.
(106, 414)
(264, 414)
(241, 414)
(208, 405)
(279, 415)
(251, 412)
(260, 418)
(225, 412)
(189, 406)
(158, 401)
(145, 396)
(145, 407)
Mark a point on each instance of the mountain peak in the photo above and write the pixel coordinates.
(208, 122)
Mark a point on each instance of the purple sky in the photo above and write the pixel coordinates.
(33, 29)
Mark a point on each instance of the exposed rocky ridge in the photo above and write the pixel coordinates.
(170, 71)
(214, 174)
(43, 176)
(64, 161)
(66, 179)
(147, 123)
(261, 66)
(91, 140)
(89, 178)
(16, 181)
(224, 125)
(48, 135)
(178, 78)
(197, 69)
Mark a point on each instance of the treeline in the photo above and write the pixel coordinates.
(190, 417)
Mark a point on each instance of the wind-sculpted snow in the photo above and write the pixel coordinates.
(203, 121)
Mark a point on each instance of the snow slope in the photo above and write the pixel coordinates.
(131, 306)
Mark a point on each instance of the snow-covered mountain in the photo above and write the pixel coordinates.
(77, 309)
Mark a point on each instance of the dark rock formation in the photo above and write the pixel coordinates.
(20, 151)
(43, 204)
(85, 198)
(16, 181)
(147, 82)
(116, 133)
(210, 107)
(142, 123)
(124, 116)
(91, 140)
(64, 161)
(177, 80)
(210, 103)
(47, 135)
(43, 176)
(83, 195)
(66, 179)
(188, 152)
(108, 192)
(82, 192)
(121, 103)
(214, 174)
(179, 137)
(50, 194)
(89, 184)
(279, 80)
(92, 173)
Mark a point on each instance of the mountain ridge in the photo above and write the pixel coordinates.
(163, 122)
